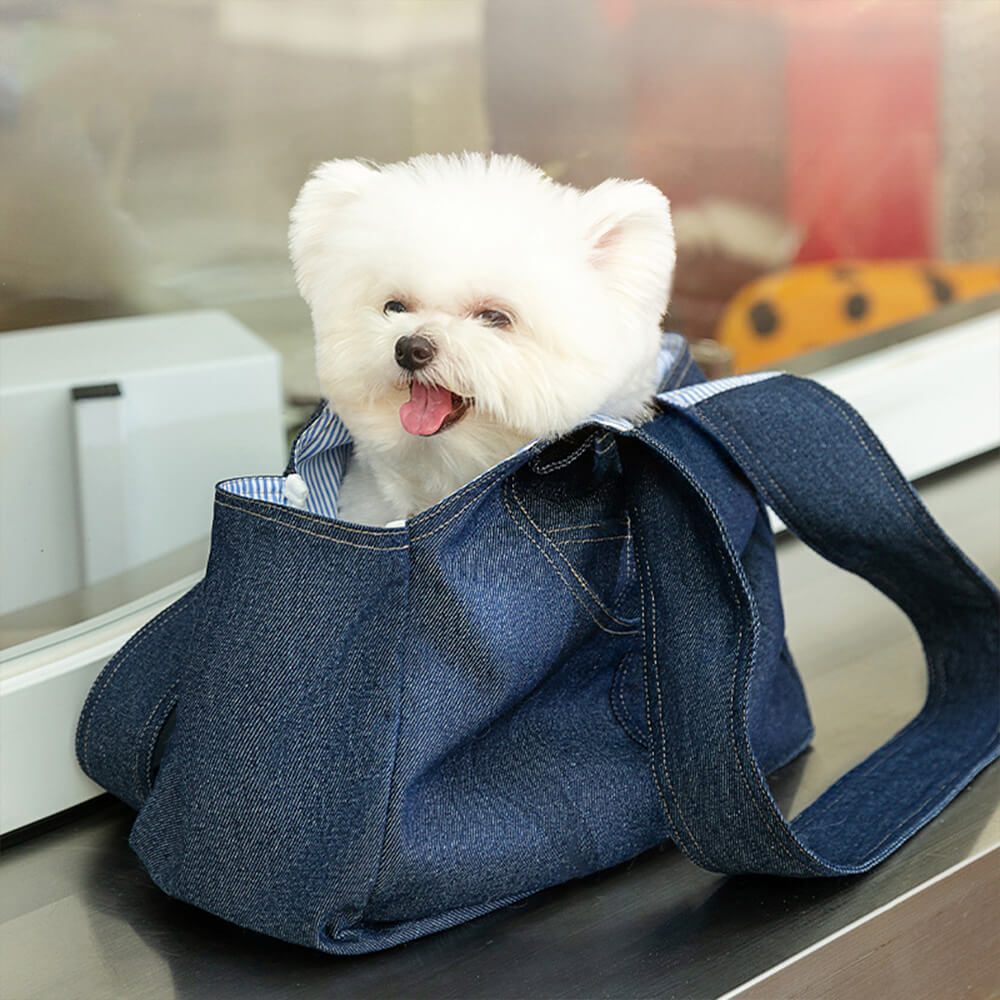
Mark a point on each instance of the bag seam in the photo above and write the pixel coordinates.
(512, 490)
(624, 717)
(572, 590)
(545, 468)
(315, 534)
(149, 629)
(144, 774)
(580, 527)
(693, 845)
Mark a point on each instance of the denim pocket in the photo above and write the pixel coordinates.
(589, 553)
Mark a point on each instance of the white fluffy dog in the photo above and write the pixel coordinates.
(466, 305)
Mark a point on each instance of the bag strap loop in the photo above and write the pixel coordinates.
(822, 470)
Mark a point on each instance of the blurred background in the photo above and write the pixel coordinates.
(834, 165)
(150, 149)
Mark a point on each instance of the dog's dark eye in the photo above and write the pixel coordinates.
(394, 306)
(493, 317)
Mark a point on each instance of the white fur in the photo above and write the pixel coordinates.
(585, 275)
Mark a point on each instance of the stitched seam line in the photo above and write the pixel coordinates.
(480, 486)
(524, 531)
(579, 527)
(294, 512)
(544, 468)
(147, 630)
(889, 750)
(630, 569)
(782, 842)
(566, 562)
(458, 513)
(732, 721)
(736, 449)
(678, 840)
(315, 534)
(144, 775)
(881, 460)
(932, 797)
(902, 739)
(781, 833)
(380, 859)
(776, 824)
(692, 842)
(337, 525)
(898, 743)
(620, 711)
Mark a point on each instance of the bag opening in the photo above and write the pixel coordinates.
(321, 453)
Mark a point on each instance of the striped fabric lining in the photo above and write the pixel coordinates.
(691, 395)
(321, 451)
(320, 457)
(670, 347)
(269, 488)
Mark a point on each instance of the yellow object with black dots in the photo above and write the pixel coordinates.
(814, 305)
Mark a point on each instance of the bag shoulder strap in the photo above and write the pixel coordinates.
(823, 471)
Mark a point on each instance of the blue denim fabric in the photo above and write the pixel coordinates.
(377, 733)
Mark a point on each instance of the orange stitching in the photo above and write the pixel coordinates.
(569, 565)
(315, 534)
(566, 582)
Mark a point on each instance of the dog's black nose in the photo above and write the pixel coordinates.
(414, 352)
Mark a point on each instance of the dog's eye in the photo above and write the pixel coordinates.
(394, 306)
(493, 317)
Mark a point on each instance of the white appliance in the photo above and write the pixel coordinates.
(112, 435)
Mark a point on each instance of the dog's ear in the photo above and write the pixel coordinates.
(631, 240)
(332, 186)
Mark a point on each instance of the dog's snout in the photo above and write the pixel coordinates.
(414, 352)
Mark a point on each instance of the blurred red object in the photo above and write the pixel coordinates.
(862, 129)
(819, 114)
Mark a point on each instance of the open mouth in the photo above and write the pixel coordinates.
(432, 409)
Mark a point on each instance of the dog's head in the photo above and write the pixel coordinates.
(452, 292)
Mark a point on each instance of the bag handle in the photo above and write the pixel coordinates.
(827, 476)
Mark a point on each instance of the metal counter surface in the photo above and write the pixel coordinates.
(79, 918)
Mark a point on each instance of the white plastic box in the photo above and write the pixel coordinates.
(112, 435)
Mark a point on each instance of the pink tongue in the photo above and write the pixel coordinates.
(426, 410)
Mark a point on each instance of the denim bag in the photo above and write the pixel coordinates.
(349, 737)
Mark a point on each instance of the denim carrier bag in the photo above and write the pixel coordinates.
(349, 737)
